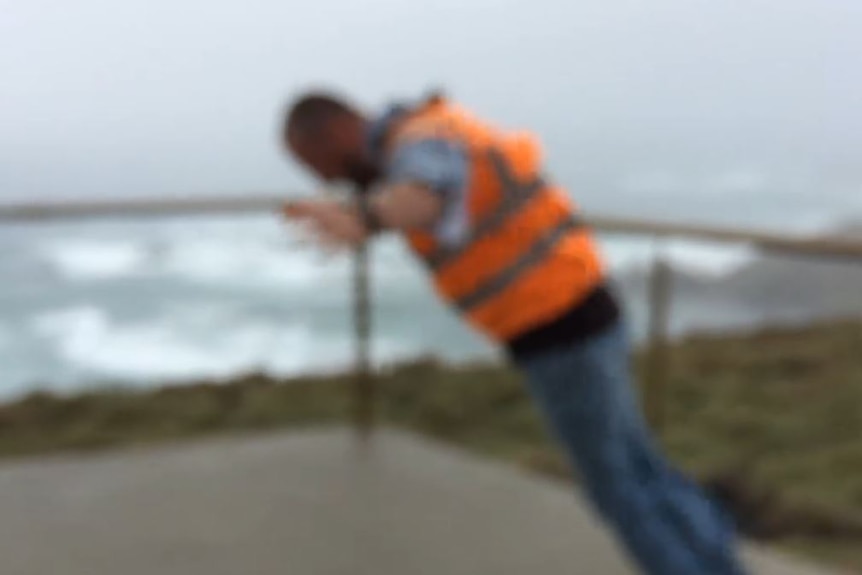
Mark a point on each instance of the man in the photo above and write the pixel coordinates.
(506, 247)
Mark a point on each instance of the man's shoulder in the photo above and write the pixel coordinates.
(393, 113)
(381, 125)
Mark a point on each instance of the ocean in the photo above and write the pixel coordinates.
(146, 303)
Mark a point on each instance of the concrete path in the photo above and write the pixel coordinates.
(310, 503)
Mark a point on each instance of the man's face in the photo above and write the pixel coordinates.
(335, 153)
(319, 153)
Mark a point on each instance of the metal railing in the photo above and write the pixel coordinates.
(364, 391)
(161, 207)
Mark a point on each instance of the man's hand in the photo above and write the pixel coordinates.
(334, 224)
(397, 207)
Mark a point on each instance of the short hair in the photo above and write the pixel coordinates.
(311, 111)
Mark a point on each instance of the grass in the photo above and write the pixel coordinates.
(770, 420)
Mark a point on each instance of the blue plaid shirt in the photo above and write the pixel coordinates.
(439, 164)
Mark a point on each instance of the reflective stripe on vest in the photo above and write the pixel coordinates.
(533, 256)
(514, 195)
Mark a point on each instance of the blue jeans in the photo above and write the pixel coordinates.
(666, 522)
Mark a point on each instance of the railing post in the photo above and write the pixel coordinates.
(363, 385)
(660, 286)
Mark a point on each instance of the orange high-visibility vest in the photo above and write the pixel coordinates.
(528, 258)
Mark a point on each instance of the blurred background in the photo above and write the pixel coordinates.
(740, 112)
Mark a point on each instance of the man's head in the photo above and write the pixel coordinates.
(327, 135)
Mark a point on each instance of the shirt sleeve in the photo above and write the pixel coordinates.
(442, 166)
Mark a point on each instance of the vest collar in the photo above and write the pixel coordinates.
(378, 128)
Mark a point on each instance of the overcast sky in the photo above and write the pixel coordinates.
(733, 110)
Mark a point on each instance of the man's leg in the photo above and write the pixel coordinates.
(667, 523)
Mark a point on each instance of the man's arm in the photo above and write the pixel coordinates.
(406, 206)
(424, 188)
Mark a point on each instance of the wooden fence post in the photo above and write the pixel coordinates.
(364, 392)
(661, 280)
